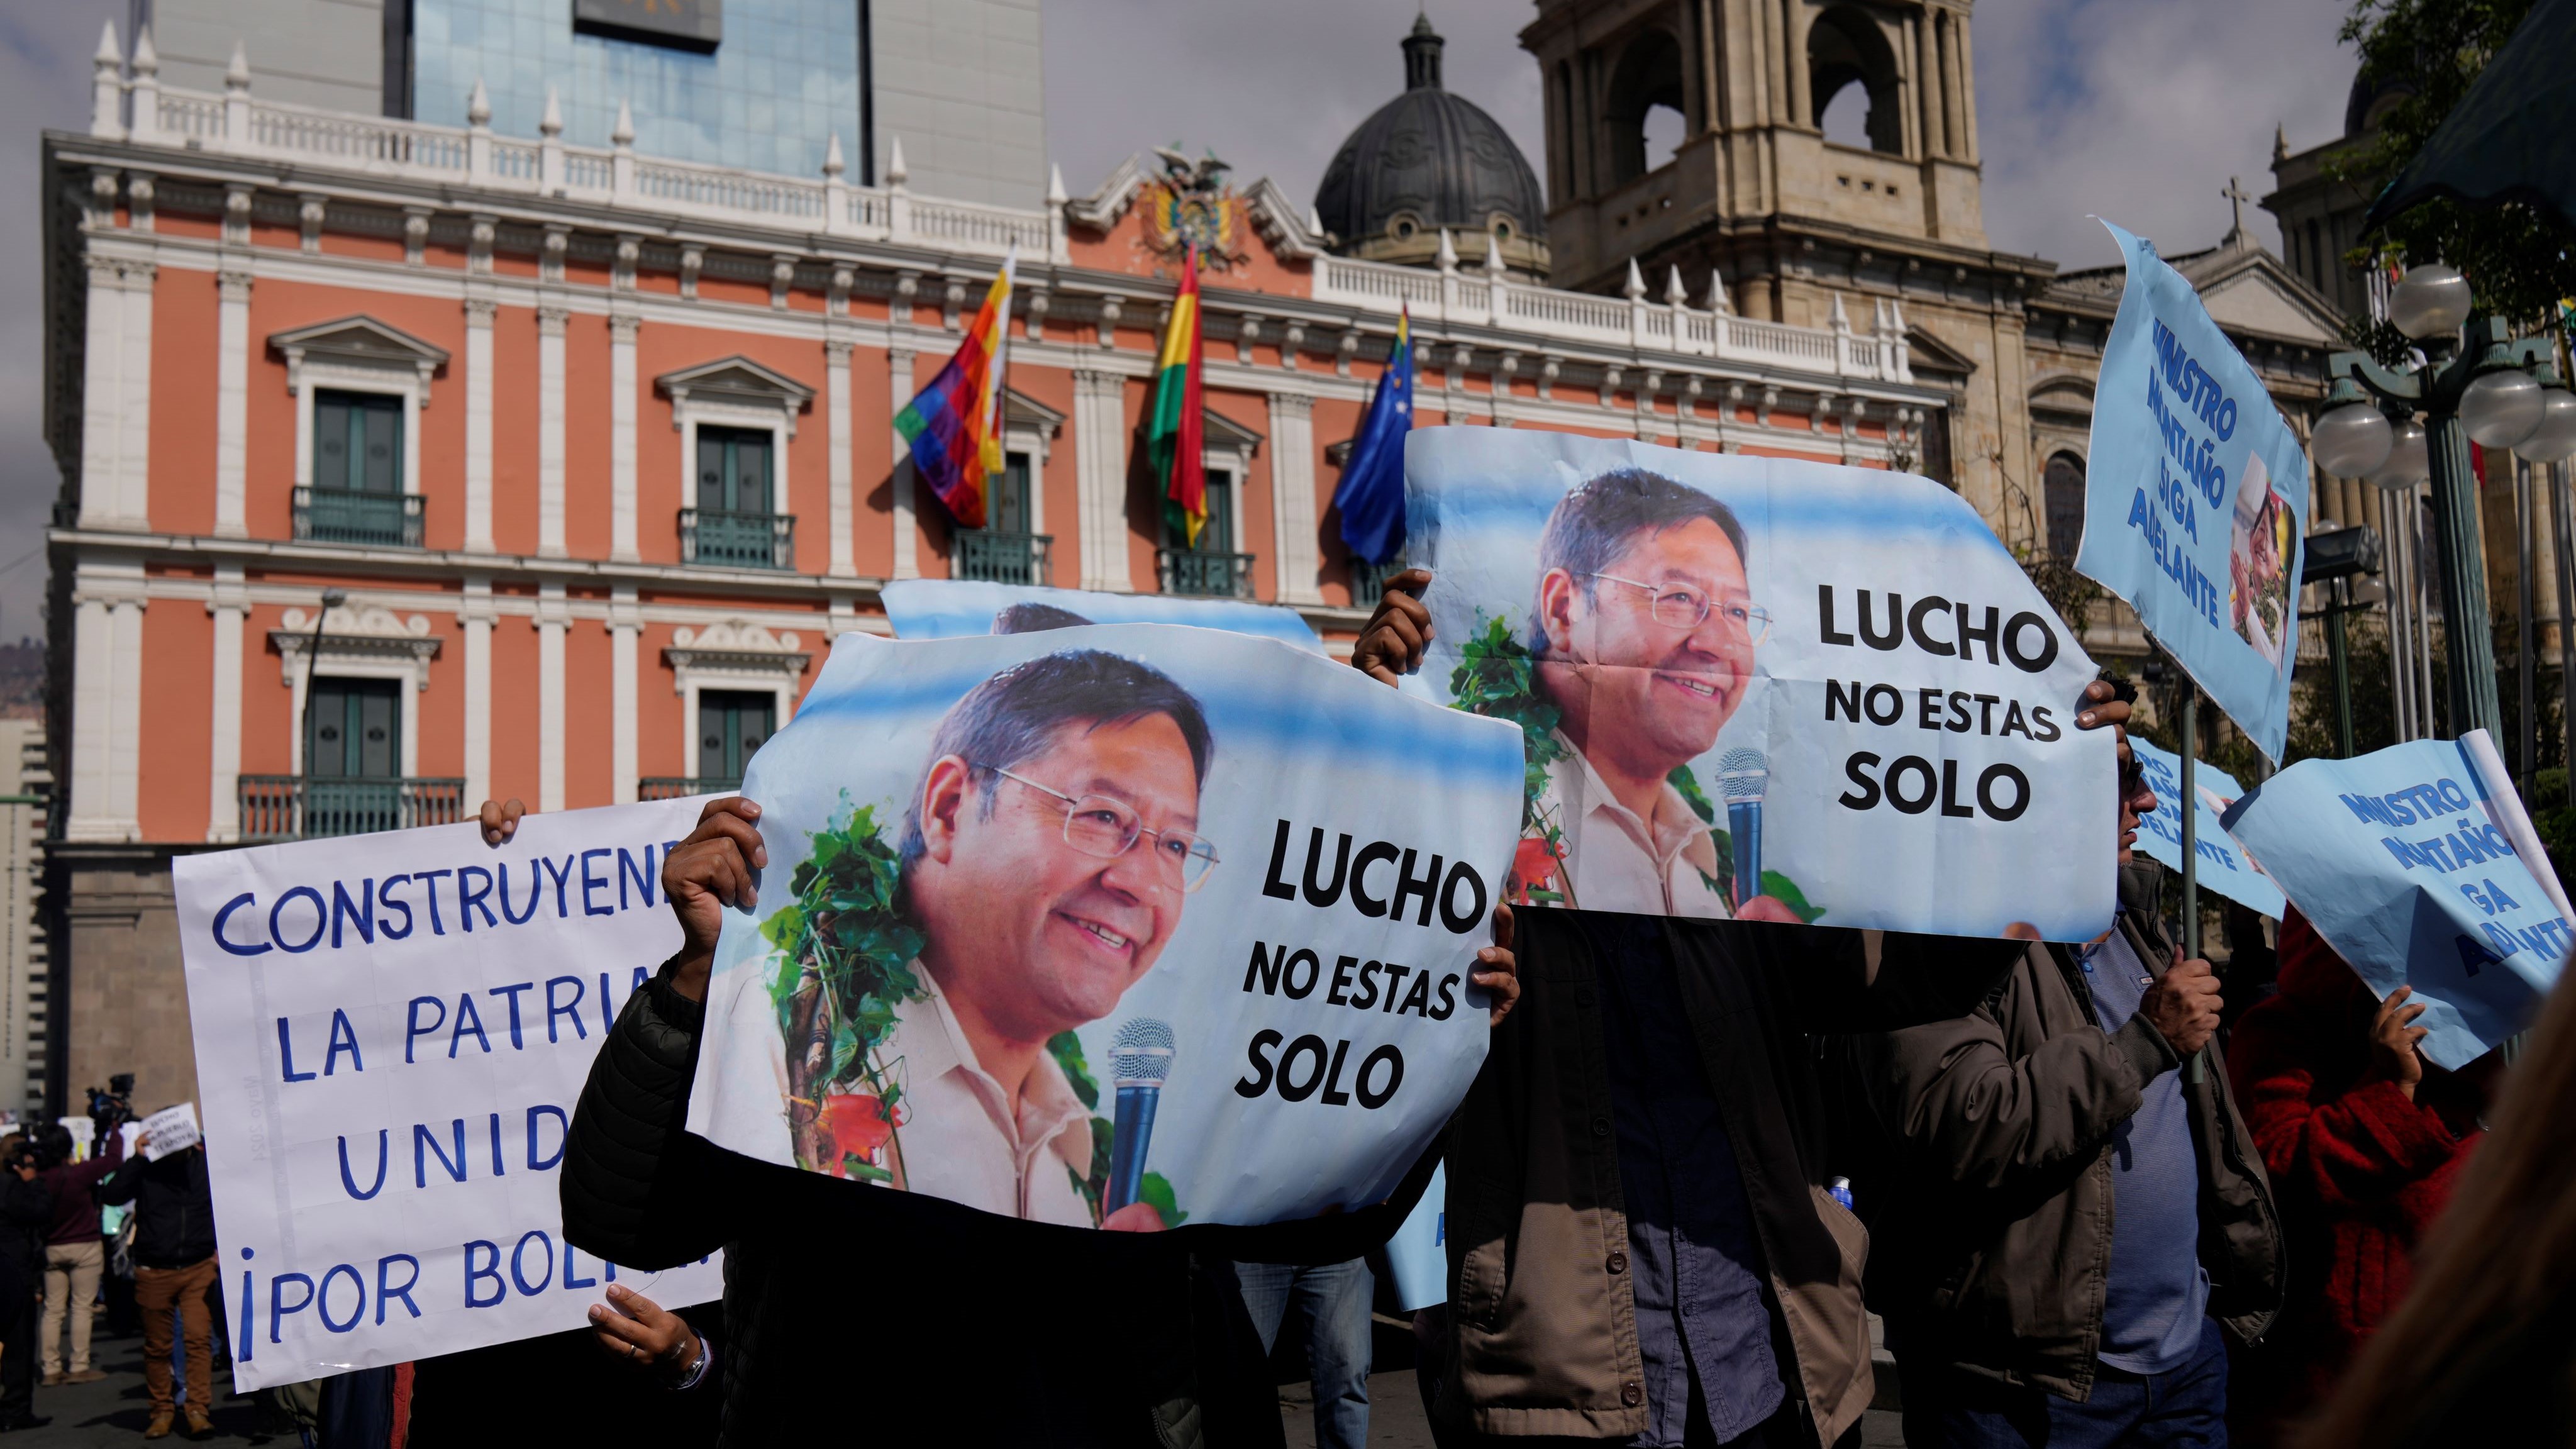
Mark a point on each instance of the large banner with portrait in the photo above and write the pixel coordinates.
(391, 1032)
(2419, 866)
(1763, 688)
(1129, 925)
(2196, 497)
(947, 608)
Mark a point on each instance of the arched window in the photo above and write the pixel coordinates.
(2064, 492)
(1646, 110)
(1846, 52)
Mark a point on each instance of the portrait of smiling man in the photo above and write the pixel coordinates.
(1047, 852)
(1644, 637)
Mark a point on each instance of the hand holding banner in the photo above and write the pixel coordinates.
(1244, 882)
(391, 1032)
(2417, 864)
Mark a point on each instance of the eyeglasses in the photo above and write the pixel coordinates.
(1099, 826)
(1679, 606)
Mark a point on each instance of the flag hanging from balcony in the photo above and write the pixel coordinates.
(1371, 494)
(954, 427)
(1172, 437)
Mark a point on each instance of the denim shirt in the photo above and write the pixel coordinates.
(1694, 1262)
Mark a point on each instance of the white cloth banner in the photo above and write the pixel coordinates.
(391, 1033)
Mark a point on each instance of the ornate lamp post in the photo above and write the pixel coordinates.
(2473, 388)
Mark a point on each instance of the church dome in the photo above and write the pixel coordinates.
(1429, 162)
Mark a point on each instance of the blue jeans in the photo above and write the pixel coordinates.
(1335, 1301)
(2181, 1408)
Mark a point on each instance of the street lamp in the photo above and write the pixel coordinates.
(2474, 386)
(2330, 560)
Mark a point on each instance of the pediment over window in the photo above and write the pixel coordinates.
(737, 380)
(359, 343)
(1019, 410)
(1219, 431)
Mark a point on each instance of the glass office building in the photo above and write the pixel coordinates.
(785, 78)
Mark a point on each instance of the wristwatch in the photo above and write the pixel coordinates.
(696, 1370)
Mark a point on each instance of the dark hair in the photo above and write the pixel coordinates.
(53, 1144)
(1595, 523)
(1031, 617)
(1016, 714)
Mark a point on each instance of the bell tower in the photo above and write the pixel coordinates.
(1691, 134)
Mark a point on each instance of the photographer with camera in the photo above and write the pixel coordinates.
(74, 1253)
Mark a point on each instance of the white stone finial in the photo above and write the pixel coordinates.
(1718, 301)
(237, 74)
(1493, 255)
(624, 134)
(147, 61)
(1674, 296)
(1314, 220)
(896, 173)
(1447, 258)
(551, 124)
(108, 55)
(1636, 288)
(1055, 193)
(478, 106)
(832, 163)
(1896, 317)
(1841, 318)
(106, 87)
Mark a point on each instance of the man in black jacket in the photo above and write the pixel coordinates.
(897, 1315)
(26, 1207)
(174, 1267)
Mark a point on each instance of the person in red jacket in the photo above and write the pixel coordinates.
(2364, 1141)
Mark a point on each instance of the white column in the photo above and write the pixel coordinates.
(478, 426)
(229, 605)
(1100, 477)
(907, 544)
(550, 431)
(1292, 496)
(232, 405)
(125, 717)
(134, 419)
(836, 400)
(621, 436)
(93, 667)
(101, 408)
(554, 617)
(476, 616)
(625, 629)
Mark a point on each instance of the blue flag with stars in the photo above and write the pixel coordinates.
(1371, 494)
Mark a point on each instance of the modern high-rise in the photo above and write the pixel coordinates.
(758, 85)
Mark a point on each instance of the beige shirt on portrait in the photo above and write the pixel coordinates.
(960, 1139)
(1615, 861)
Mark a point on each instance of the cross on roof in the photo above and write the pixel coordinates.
(2236, 196)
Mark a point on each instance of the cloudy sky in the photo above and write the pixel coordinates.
(2137, 112)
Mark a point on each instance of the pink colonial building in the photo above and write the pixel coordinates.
(405, 465)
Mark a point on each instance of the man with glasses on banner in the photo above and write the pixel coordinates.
(1643, 637)
(1047, 853)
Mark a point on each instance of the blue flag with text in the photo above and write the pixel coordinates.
(2196, 497)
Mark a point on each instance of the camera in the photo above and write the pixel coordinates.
(113, 1108)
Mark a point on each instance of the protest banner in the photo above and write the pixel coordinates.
(1417, 1257)
(172, 1129)
(391, 1033)
(950, 608)
(1204, 905)
(1844, 662)
(2417, 865)
(2223, 865)
(2196, 497)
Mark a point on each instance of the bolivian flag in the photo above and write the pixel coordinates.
(1172, 436)
(954, 428)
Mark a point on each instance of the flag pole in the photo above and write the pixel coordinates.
(2189, 805)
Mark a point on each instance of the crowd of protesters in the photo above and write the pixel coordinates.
(2098, 1193)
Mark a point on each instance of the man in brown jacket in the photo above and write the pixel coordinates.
(2070, 1216)
(1642, 1246)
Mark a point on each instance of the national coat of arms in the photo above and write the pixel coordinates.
(1192, 203)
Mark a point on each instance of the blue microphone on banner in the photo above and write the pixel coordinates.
(1742, 777)
(1140, 1057)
